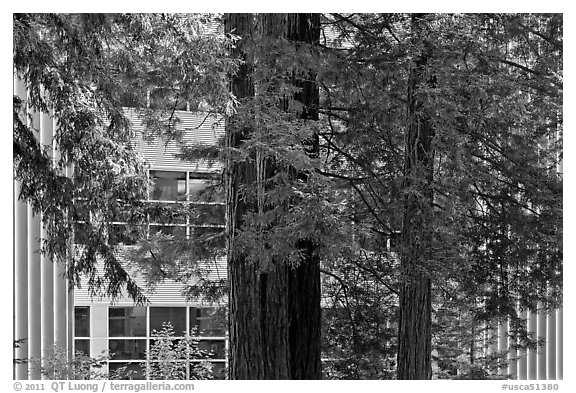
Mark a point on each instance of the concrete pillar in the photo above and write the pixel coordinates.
(542, 335)
(532, 353)
(559, 344)
(20, 266)
(60, 306)
(70, 324)
(20, 281)
(551, 345)
(503, 347)
(47, 272)
(512, 352)
(523, 355)
(34, 280)
(59, 281)
(70, 293)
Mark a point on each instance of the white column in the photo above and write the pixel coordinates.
(542, 335)
(70, 292)
(70, 324)
(513, 352)
(20, 281)
(60, 306)
(59, 281)
(34, 281)
(551, 345)
(47, 272)
(532, 353)
(523, 356)
(559, 344)
(503, 346)
(20, 266)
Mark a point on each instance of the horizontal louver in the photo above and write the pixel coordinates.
(198, 129)
(168, 292)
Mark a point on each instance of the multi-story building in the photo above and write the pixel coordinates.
(48, 313)
(126, 330)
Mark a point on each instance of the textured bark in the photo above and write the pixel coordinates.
(274, 314)
(414, 331)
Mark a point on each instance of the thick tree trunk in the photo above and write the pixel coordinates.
(414, 331)
(274, 313)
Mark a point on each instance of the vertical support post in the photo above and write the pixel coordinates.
(542, 335)
(59, 281)
(34, 281)
(503, 347)
(20, 266)
(70, 324)
(551, 345)
(20, 282)
(70, 292)
(532, 353)
(559, 344)
(512, 353)
(47, 272)
(523, 356)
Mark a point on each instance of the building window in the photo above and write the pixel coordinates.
(167, 186)
(127, 349)
(131, 334)
(82, 330)
(175, 315)
(82, 346)
(81, 321)
(208, 322)
(127, 321)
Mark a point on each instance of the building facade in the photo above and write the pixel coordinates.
(47, 313)
(121, 327)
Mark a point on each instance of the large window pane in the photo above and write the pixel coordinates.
(161, 348)
(127, 349)
(209, 237)
(168, 186)
(207, 214)
(216, 348)
(127, 321)
(219, 370)
(82, 346)
(81, 321)
(166, 213)
(205, 190)
(175, 315)
(179, 232)
(208, 322)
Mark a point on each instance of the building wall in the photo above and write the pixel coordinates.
(42, 303)
(176, 181)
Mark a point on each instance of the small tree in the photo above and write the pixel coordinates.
(59, 366)
(169, 357)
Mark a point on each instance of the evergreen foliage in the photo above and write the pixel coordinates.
(428, 163)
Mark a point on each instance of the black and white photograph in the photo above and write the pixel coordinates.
(287, 196)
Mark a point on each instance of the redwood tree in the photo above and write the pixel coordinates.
(274, 295)
(414, 325)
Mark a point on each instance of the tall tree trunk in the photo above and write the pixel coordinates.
(414, 331)
(274, 313)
